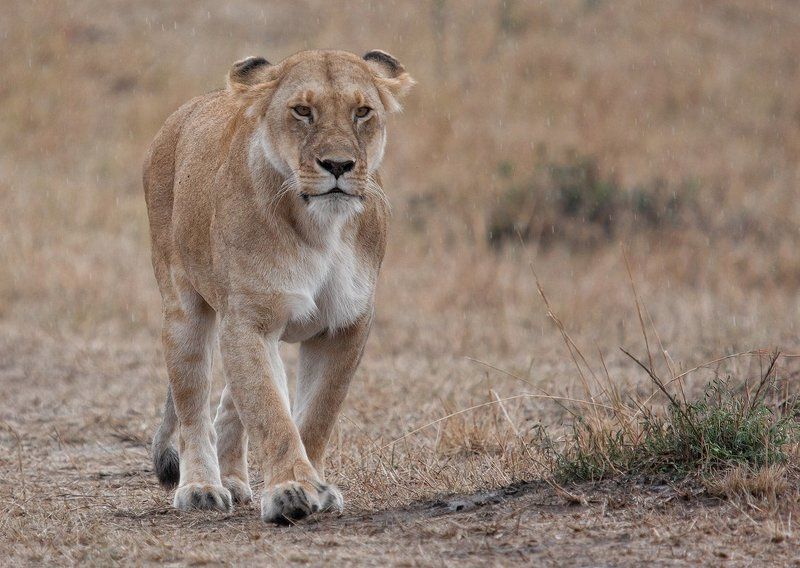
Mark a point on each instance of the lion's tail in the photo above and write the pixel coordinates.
(165, 457)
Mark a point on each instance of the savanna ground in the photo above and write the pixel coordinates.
(546, 136)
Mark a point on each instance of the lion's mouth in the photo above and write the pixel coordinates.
(334, 191)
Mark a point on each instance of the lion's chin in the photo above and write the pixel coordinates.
(333, 207)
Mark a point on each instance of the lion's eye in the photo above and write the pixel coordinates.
(363, 112)
(302, 110)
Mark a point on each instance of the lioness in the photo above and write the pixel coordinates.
(268, 224)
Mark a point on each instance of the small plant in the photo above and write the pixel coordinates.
(581, 192)
(724, 428)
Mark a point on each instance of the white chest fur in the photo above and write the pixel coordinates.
(331, 289)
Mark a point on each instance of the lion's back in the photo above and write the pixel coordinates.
(188, 141)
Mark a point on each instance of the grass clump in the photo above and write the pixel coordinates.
(751, 425)
(725, 427)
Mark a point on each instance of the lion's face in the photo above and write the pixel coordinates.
(324, 123)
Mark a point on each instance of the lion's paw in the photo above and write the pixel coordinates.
(240, 490)
(331, 498)
(202, 496)
(295, 500)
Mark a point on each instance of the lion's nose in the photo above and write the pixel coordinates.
(337, 168)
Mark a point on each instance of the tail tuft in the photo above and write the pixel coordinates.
(167, 467)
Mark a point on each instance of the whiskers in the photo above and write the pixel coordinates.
(289, 185)
(294, 183)
(375, 191)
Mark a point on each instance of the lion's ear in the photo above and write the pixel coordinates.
(251, 78)
(391, 78)
(248, 71)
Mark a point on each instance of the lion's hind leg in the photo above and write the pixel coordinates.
(232, 449)
(189, 331)
(165, 457)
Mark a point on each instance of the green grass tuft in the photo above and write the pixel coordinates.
(725, 427)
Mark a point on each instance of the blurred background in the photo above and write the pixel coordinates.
(543, 136)
(673, 127)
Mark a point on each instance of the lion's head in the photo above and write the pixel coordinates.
(322, 121)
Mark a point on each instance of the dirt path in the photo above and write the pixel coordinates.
(76, 487)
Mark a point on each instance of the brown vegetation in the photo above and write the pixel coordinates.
(672, 128)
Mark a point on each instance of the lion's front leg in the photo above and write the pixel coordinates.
(292, 487)
(327, 364)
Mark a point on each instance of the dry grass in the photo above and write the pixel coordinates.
(677, 94)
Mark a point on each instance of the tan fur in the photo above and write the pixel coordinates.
(246, 247)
